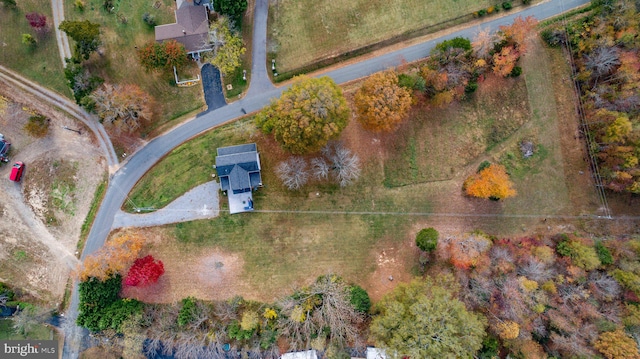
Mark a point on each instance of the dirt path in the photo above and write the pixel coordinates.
(40, 233)
(57, 6)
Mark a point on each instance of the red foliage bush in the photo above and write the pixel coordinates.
(37, 21)
(144, 271)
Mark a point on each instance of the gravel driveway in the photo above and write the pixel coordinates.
(199, 203)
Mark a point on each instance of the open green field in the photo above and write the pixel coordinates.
(121, 31)
(40, 63)
(304, 31)
(366, 231)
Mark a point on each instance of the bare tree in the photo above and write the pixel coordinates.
(604, 286)
(602, 61)
(483, 43)
(293, 172)
(124, 107)
(27, 318)
(320, 168)
(535, 270)
(324, 304)
(345, 166)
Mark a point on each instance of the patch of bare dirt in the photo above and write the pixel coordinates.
(393, 266)
(39, 252)
(201, 272)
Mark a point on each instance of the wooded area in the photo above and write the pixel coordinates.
(605, 46)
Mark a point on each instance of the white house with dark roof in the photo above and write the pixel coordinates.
(191, 27)
(238, 168)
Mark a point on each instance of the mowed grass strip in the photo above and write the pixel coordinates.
(304, 31)
(541, 180)
(121, 31)
(40, 63)
(435, 144)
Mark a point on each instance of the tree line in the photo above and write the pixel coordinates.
(605, 48)
(478, 295)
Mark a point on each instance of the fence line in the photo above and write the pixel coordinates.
(593, 164)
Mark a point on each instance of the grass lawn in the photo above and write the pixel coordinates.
(411, 179)
(37, 332)
(121, 31)
(300, 37)
(40, 63)
(437, 143)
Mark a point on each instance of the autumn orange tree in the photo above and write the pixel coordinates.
(513, 45)
(517, 33)
(154, 55)
(114, 258)
(381, 104)
(505, 61)
(491, 182)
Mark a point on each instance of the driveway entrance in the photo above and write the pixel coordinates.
(212, 85)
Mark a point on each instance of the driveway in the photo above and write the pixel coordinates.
(212, 85)
(199, 203)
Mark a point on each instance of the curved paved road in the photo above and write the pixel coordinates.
(260, 93)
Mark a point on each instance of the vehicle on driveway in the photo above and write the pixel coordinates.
(4, 149)
(16, 171)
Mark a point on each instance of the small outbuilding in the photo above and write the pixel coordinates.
(238, 168)
(375, 353)
(308, 354)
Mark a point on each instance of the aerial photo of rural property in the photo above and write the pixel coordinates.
(326, 179)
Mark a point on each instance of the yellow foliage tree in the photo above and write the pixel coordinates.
(380, 103)
(115, 257)
(307, 115)
(508, 330)
(617, 345)
(228, 47)
(527, 284)
(492, 182)
(249, 320)
(269, 314)
(298, 314)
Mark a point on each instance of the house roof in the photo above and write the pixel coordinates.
(190, 29)
(309, 354)
(238, 168)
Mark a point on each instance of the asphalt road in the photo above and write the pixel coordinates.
(260, 93)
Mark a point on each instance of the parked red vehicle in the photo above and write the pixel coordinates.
(16, 171)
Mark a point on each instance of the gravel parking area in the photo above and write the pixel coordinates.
(199, 203)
